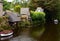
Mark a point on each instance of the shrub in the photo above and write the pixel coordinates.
(17, 8)
(4, 24)
(1, 19)
(38, 16)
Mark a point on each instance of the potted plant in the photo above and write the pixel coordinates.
(5, 29)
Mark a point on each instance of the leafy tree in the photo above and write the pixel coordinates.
(17, 8)
(48, 4)
(51, 7)
(58, 10)
(6, 5)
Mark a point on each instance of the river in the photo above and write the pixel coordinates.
(51, 33)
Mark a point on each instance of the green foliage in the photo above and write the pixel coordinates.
(6, 5)
(17, 8)
(4, 24)
(37, 15)
(51, 7)
(24, 23)
(1, 19)
(6, 27)
(24, 3)
(47, 4)
(58, 10)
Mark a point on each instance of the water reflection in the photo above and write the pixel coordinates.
(49, 32)
(22, 38)
(4, 38)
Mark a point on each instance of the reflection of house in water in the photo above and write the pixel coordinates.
(7, 37)
(25, 14)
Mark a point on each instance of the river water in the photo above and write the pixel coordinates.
(51, 33)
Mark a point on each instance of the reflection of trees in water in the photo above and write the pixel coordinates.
(50, 34)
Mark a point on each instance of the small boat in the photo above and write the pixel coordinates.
(6, 33)
(8, 37)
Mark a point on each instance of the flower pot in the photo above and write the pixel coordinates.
(6, 33)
